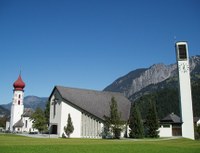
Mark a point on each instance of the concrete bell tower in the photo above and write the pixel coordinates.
(17, 107)
(185, 90)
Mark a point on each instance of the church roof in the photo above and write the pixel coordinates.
(94, 102)
(196, 119)
(19, 123)
(19, 83)
(171, 118)
(27, 112)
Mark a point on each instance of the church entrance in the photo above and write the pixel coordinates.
(54, 129)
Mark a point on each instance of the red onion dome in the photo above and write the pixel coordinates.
(19, 84)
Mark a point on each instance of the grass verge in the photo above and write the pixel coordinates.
(18, 144)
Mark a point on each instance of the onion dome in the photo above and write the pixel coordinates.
(19, 84)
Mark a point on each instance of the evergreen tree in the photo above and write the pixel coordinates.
(3, 121)
(46, 111)
(69, 128)
(197, 131)
(136, 124)
(114, 120)
(152, 124)
(39, 120)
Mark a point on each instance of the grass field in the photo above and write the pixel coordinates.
(20, 144)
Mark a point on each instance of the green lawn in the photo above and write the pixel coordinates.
(19, 144)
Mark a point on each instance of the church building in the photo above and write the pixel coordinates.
(19, 116)
(87, 109)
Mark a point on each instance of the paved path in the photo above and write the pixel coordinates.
(40, 135)
(153, 139)
(124, 139)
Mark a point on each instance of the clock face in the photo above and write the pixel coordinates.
(183, 67)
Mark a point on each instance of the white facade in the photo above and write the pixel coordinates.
(17, 108)
(85, 125)
(165, 131)
(27, 125)
(185, 90)
(19, 117)
(87, 109)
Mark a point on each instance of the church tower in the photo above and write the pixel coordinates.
(185, 90)
(17, 107)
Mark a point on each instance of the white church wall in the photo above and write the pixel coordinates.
(76, 119)
(62, 109)
(28, 125)
(55, 115)
(18, 95)
(7, 125)
(165, 131)
(91, 127)
(16, 112)
(185, 90)
(17, 108)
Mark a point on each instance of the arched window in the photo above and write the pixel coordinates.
(19, 96)
(18, 102)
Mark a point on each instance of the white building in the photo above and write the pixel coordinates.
(170, 126)
(185, 90)
(19, 117)
(87, 109)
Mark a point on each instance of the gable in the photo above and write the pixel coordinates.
(96, 103)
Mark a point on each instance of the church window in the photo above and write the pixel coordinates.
(18, 102)
(182, 52)
(19, 96)
(54, 106)
(54, 109)
(26, 123)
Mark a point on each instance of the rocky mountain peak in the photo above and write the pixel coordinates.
(141, 78)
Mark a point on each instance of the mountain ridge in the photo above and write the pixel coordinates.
(29, 102)
(155, 74)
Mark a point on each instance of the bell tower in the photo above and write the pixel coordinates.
(185, 90)
(17, 107)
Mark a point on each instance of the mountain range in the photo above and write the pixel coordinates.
(29, 102)
(139, 83)
(158, 83)
(145, 80)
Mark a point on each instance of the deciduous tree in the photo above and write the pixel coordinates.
(39, 120)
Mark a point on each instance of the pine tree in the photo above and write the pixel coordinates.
(136, 124)
(152, 124)
(69, 128)
(46, 111)
(114, 120)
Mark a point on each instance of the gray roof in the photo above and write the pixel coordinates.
(196, 119)
(171, 118)
(96, 103)
(19, 123)
(27, 112)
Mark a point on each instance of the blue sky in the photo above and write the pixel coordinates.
(89, 43)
